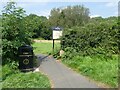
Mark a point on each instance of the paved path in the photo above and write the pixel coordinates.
(62, 76)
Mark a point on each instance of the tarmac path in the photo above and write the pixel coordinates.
(62, 76)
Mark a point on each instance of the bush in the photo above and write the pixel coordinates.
(9, 69)
(14, 33)
(100, 38)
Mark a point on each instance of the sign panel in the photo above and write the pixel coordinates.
(57, 34)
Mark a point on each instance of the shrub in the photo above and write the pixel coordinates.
(14, 33)
(9, 69)
(93, 39)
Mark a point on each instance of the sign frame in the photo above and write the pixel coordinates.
(56, 34)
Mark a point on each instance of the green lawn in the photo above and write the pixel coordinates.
(45, 47)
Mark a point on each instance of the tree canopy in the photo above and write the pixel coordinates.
(39, 26)
(70, 16)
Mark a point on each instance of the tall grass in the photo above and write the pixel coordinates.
(96, 67)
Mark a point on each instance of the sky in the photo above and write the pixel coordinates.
(42, 8)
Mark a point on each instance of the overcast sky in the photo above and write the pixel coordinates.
(103, 8)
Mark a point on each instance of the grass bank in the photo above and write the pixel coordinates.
(96, 67)
(12, 78)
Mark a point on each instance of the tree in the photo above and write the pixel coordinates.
(46, 31)
(39, 26)
(68, 17)
(54, 17)
(33, 22)
(14, 33)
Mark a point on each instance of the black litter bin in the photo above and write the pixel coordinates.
(26, 57)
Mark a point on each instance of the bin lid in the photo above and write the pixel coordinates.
(25, 46)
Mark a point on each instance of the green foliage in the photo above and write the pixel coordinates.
(14, 33)
(96, 37)
(96, 67)
(39, 26)
(9, 69)
(69, 53)
(119, 30)
(0, 73)
(18, 29)
(70, 16)
(0, 38)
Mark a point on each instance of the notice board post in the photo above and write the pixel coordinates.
(53, 45)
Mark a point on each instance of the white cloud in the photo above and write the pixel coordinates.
(92, 16)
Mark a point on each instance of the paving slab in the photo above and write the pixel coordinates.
(62, 76)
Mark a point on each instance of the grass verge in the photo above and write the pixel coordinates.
(96, 67)
(16, 79)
